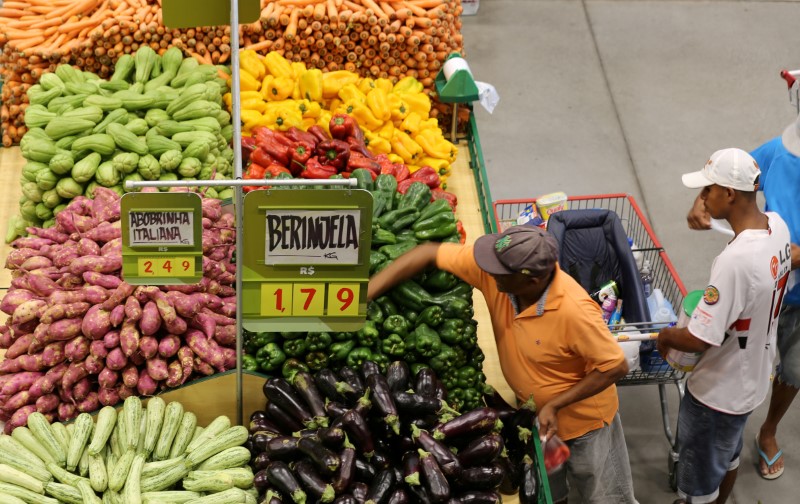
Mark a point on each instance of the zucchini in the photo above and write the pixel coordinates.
(98, 477)
(169, 428)
(234, 436)
(40, 428)
(165, 479)
(88, 495)
(29, 441)
(14, 476)
(10, 499)
(83, 464)
(59, 429)
(169, 497)
(64, 493)
(14, 454)
(142, 430)
(216, 427)
(208, 481)
(237, 456)
(154, 468)
(106, 419)
(111, 497)
(155, 420)
(119, 473)
(132, 493)
(241, 477)
(83, 429)
(63, 475)
(232, 496)
(184, 435)
(132, 409)
(25, 494)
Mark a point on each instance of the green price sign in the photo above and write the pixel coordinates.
(162, 238)
(192, 13)
(306, 259)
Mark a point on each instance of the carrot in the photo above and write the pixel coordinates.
(291, 29)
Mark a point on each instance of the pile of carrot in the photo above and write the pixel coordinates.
(391, 39)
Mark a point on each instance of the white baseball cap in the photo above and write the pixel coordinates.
(733, 168)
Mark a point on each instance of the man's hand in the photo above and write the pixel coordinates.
(698, 218)
(548, 421)
(662, 347)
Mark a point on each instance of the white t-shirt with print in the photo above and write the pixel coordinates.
(738, 317)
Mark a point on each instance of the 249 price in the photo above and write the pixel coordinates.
(166, 266)
(309, 300)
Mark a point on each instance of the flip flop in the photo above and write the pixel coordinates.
(769, 462)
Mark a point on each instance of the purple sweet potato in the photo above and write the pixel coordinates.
(203, 348)
(73, 223)
(107, 378)
(64, 256)
(20, 346)
(88, 247)
(81, 389)
(77, 349)
(117, 315)
(185, 306)
(54, 354)
(151, 319)
(157, 368)
(19, 418)
(53, 376)
(126, 392)
(129, 337)
(101, 264)
(47, 403)
(66, 411)
(130, 375)
(146, 386)
(94, 364)
(104, 281)
(111, 340)
(18, 256)
(148, 346)
(18, 400)
(91, 403)
(64, 329)
(133, 310)
(105, 232)
(75, 373)
(174, 374)
(116, 359)
(176, 326)
(230, 358)
(64, 310)
(202, 367)
(105, 205)
(14, 298)
(98, 348)
(212, 209)
(108, 396)
(10, 366)
(168, 346)
(112, 248)
(31, 362)
(118, 296)
(80, 205)
(94, 294)
(35, 263)
(228, 309)
(20, 381)
(186, 358)
(205, 323)
(64, 297)
(96, 323)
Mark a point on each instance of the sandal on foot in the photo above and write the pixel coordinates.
(770, 462)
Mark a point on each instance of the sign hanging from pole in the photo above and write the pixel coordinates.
(193, 13)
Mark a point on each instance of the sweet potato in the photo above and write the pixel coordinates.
(31, 362)
(94, 294)
(18, 400)
(65, 329)
(117, 315)
(228, 309)
(96, 323)
(130, 376)
(69, 281)
(19, 418)
(203, 349)
(105, 232)
(225, 291)
(66, 411)
(77, 349)
(31, 242)
(20, 381)
(230, 358)
(71, 222)
(104, 281)
(47, 403)
(20, 346)
(62, 297)
(64, 257)
(112, 248)
(81, 389)
(17, 257)
(126, 392)
(10, 366)
(219, 318)
(111, 340)
(137, 358)
(40, 338)
(151, 319)
(98, 349)
(6, 339)
(174, 374)
(207, 223)
(140, 293)
(80, 205)
(186, 358)
(53, 376)
(101, 264)
(163, 304)
(107, 378)
(205, 323)
(212, 209)
(129, 337)
(14, 298)
(118, 296)
(133, 310)
(54, 354)
(18, 330)
(94, 364)
(76, 372)
(157, 368)
(35, 263)
(105, 205)
(91, 403)
(177, 326)
(146, 386)
(185, 306)
(168, 346)
(108, 396)
(148, 346)
(21, 281)
(64, 310)
(116, 359)
(202, 367)
(88, 247)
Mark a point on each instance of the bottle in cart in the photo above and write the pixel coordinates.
(647, 279)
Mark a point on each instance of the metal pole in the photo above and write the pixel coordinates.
(130, 184)
(454, 126)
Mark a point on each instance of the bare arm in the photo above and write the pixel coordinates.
(404, 267)
(795, 256)
(697, 217)
(593, 383)
(681, 339)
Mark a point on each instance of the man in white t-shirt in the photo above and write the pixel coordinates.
(734, 326)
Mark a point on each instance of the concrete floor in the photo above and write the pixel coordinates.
(623, 96)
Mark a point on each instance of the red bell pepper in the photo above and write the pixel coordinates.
(357, 160)
(260, 156)
(277, 151)
(319, 133)
(297, 135)
(342, 126)
(301, 152)
(439, 193)
(401, 172)
(262, 132)
(256, 171)
(316, 170)
(250, 175)
(334, 153)
(274, 169)
(248, 146)
(462, 233)
(427, 175)
(403, 186)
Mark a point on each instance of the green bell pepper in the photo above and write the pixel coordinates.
(455, 397)
(411, 316)
(406, 235)
(358, 356)
(375, 313)
(476, 358)
(442, 231)
(467, 377)
(449, 379)
(393, 345)
(316, 361)
(392, 252)
(263, 338)
(426, 341)
(363, 178)
(453, 238)
(435, 221)
(295, 347)
(291, 367)
(453, 306)
(382, 236)
(318, 341)
(368, 335)
(472, 399)
(435, 207)
(387, 306)
(343, 336)
(396, 324)
(440, 280)
(270, 357)
(339, 351)
(450, 336)
(432, 316)
(443, 361)
(382, 360)
(404, 222)
(376, 261)
(461, 289)
(416, 367)
(411, 295)
(460, 357)
(387, 220)
(386, 185)
(292, 335)
(249, 363)
(418, 196)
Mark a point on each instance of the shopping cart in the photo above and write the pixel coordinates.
(791, 77)
(654, 370)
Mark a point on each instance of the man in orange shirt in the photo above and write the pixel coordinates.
(552, 343)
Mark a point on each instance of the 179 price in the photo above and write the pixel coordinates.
(165, 266)
(309, 300)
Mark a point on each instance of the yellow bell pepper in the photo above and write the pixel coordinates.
(227, 99)
(276, 88)
(405, 147)
(246, 81)
(431, 123)
(324, 121)
(435, 145)
(308, 109)
(379, 105)
(442, 166)
(384, 84)
(350, 93)
(411, 123)
(361, 113)
(394, 158)
(418, 102)
(298, 69)
(408, 85)
(278, 66)
(332, 82)
(387, 130)
(311, 85)
(412, 168)
(335, 105)
(251, 62)
(308, 122)
(258, 104)
(377, 144)
(282, 118)
(365, 85)
(296, 91)
(251, 95)
(250, 119)
(399, 108)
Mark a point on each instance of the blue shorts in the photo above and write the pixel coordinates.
(789, 345)
(709, 443)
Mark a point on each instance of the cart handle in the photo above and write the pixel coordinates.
(790, 76)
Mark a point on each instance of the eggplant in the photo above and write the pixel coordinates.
(416, 404)
(335, 409)
(448, 461)
(380, 460)
(282, 448)
(397, 375)
(330, 385)
(261, 481)
(258, 415)
(261, 461)
(358, 431)
(398, 473)
(522, 417)
(280, 392)
(381, 487)
(304, 385)
(482, 477)
(345, 499)
(399, 496)
(279, 474)
(261, 438)
(441, 391)
(481, 450)
(273, 497)
(332, 437)
(420, 494)
(364, 471)
(425, 422)
(359, 491)
(504, 410)
(307, 433)
(426, 383)
(351, 377)
(529, 486)
(479, 497)
(363, 404)
(382, 397)
(286, 423)
(475, 422)
(369, 368)
(411, 468)
(512, 475)
(347, 469)
(313, 482)
(404, 444)
(435, 480)
(323, 458)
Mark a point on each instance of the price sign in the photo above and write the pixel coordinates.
(306, 260)
(192, 13)
(161, 238)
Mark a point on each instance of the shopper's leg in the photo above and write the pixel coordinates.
(726, 487)
(782, 396)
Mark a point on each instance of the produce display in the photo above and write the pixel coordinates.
(362, 435)
(156, 118)
(143, 455)
(78, 336)
(395, 118)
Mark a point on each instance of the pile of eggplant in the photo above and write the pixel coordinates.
(359, 436)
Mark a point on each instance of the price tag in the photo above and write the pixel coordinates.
(276, 299)
(165, 266)
(308, 300)
(343, 299)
